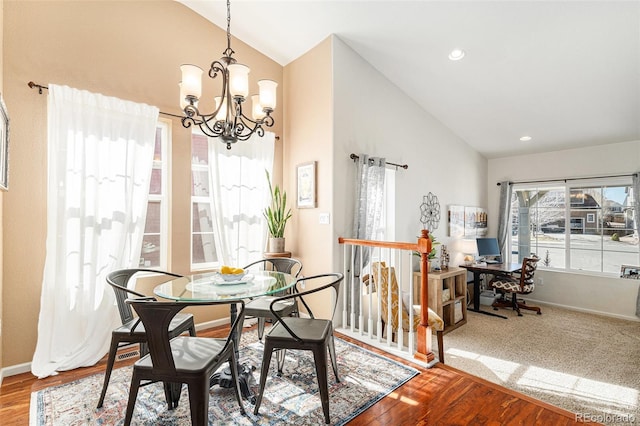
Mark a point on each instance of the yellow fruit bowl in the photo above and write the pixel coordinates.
(229, 274)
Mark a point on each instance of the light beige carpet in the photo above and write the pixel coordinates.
(584, 363)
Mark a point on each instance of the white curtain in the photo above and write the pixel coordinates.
(635, 188)
(369, 202)
(240, 194)
(100, 154)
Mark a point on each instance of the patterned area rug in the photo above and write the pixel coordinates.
(291, 399)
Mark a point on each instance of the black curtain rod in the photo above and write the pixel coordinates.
(567, 179)
(33, 85)
(354, 157)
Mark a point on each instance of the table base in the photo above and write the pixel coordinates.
(224, 379)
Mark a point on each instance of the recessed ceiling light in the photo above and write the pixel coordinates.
(525, 138)
(456, 54)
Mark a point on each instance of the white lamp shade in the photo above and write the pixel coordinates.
(183, 101)
(268, 93)
(239, 80)
(222, 112)
(256, 110)
(191, 80)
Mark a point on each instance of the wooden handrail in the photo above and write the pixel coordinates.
(423, 246)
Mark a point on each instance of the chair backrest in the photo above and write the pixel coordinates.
(156, 317)
(280, 264)
(327, 281)
(380, 273)
(119, 281)
(529, 266)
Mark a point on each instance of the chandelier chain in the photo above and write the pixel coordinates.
(229, 51)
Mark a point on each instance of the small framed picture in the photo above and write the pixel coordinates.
(630, 272)
(4, 146)
(306, 185)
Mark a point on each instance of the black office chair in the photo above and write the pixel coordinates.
(260, 307)
(182, 359)
(132, 331)
(311, 334)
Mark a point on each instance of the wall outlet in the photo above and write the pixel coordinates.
(540, 281)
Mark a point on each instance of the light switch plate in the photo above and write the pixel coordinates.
(324, 218)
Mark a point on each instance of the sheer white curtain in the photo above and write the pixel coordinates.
(240, 194)
(504, 219)
(369, 202)
(100, 159)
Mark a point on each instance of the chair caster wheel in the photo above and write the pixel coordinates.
(539, 313)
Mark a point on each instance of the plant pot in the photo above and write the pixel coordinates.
(275, 245)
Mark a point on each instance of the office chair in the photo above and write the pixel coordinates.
(522, 284)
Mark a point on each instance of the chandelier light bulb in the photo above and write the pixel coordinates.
(257, 110)
(268, 94)
(191, 80)
(239, 80)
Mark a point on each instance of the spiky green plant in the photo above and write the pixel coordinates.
(277, 213)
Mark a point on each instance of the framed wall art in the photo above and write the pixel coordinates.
(4, 146)
(306, 185)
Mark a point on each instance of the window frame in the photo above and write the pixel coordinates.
(569, 186)
(164, 197)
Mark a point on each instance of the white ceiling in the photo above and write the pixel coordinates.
(566, 73)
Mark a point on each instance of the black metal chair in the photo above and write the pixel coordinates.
(182, 359)
(132, 330)
(311, 334)
(260, 307)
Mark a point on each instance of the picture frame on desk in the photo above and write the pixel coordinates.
(630, 272)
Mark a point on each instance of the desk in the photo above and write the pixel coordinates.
(492, 269)
(208, 287)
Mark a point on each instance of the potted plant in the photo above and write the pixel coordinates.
(277, 215)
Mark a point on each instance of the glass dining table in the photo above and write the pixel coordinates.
(212, 287)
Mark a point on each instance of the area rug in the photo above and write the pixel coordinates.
(291, 399)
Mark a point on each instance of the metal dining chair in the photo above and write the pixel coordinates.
(132, 330)
(182, 359)
(310, 334)
(260, 307)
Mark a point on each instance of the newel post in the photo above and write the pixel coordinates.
(424, 351)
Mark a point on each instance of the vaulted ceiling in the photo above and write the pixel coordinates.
(565, 73)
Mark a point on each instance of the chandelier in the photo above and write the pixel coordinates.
(229, 121)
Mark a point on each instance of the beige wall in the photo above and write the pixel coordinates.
(131, 50)
(308, 132)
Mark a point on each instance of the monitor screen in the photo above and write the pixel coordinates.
(488, 247)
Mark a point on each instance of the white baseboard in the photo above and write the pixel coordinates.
(14, 370)
(587, 311)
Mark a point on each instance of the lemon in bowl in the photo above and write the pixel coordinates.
(229, 273)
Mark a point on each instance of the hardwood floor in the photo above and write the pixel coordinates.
(438, 396)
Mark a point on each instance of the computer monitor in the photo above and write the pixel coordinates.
(488, 248)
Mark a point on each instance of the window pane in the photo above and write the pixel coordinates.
(200, 183)
(203, 249)
(150, 251)
(152, 224)
(157, 152)
(199, 149)
(202, 219)
(155, 187)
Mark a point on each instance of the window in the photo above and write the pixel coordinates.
(576, 226)
(204, 254)
(154, 252)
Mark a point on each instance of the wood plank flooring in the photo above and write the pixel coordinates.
(438, 396)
